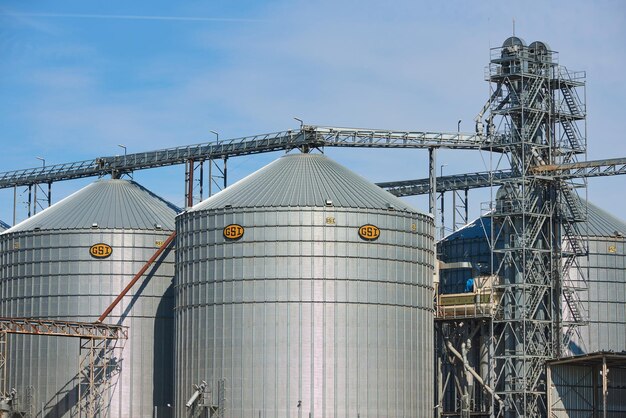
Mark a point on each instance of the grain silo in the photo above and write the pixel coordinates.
(304, 291)
(466, 254)
(48, 270)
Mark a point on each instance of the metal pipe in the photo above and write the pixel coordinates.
(201, 180)
(137, 276)
(14, 204)
(196, 394)
(432, 179)
(190, 183)
(225, 172)
(30, 200)
(605, 388)
(472, 371)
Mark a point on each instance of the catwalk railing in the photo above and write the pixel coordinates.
(305, 138)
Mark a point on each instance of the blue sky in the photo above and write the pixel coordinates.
(78, 78)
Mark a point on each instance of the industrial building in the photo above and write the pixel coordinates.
(305, 290)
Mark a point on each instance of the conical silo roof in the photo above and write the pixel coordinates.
(304, 180)
(599, 223)
(105, 204)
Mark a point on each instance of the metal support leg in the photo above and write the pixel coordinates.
(225, 173)
(4, 342)
(432, 177)
(443, 216)
(30, 199)
(14, 204)
(189, 183)
(99, 368)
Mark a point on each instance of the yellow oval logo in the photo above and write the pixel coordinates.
(369, 232)
(100, 250)
(233, 231)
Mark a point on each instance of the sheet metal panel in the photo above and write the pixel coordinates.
(572, 392)
(46, 271)
(301, 316)
(606, 297)
(304, 180)
(605, 269)
(50, 274)
(110, 204)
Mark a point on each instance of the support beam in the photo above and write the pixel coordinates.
(308, 136)
(137, 276)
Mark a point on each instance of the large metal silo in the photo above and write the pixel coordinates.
(304, 291)
(605, 271)
(49, 268)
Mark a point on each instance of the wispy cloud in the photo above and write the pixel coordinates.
(133, 17)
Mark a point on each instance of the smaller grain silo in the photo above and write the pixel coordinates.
(467, 254)
(605, 268)
(304, 291)
(69, 262)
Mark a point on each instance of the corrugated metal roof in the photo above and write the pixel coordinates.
(304, 180)
(111, 204)
(3, 226)
(599, 223)
(603, 224)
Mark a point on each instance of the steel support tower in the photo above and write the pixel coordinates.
(540, 114)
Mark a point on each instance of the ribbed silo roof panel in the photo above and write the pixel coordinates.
(600, 223)
(109, 204)
(304, 180)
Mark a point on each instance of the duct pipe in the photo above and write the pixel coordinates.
(473, 372)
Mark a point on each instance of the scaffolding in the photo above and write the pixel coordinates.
(99, 363)
(535, 218)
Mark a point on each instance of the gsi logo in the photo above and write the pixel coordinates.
(369, 232)
(100, 250)
(233, 232)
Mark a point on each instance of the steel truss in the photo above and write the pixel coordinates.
(460, 182)
(535, 217)
(99, 366)
(100, 356)
(305, 138)
(194, 179)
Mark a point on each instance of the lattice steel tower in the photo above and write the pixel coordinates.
(539, 113)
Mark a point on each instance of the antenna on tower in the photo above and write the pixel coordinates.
(513, 26)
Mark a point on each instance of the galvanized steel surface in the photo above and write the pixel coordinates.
(573, 395)
(49, 273)
(107, 204)
(304, 180)
(605, 268)
(300, 316)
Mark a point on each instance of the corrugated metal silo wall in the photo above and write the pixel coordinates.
(302, 318)
(605, 272)
(572, 392)
(606, 297)
(50, 274)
